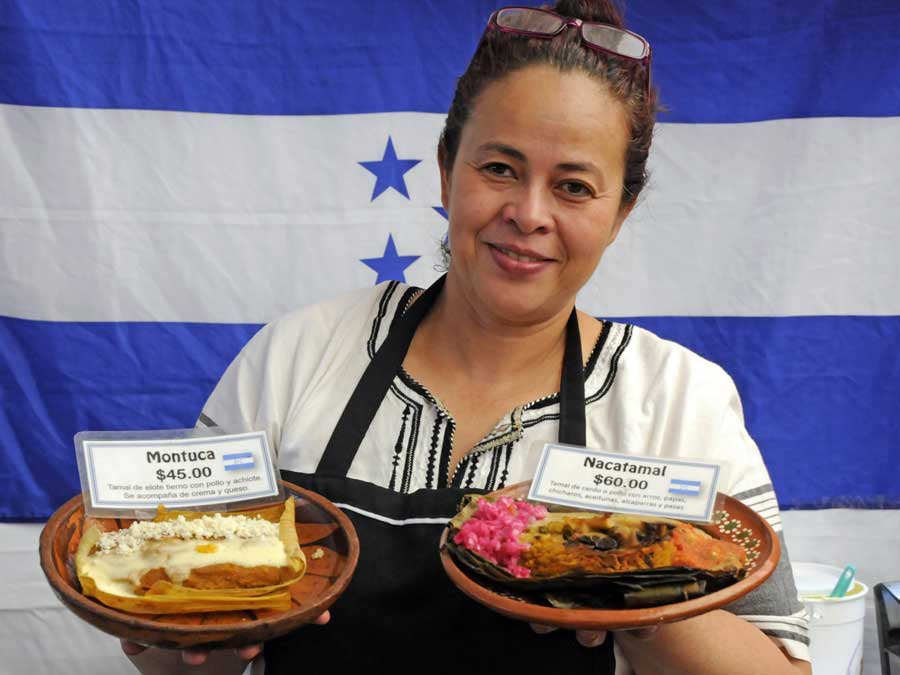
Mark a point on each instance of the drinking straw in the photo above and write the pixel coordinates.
(843, 582)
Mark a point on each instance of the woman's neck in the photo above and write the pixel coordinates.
(480, 367)
(486, 347)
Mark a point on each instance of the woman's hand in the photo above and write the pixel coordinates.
(195, 657)
(715, 643)
(595, 638)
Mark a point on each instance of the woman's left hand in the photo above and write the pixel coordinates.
(717, 642)
(595, 638)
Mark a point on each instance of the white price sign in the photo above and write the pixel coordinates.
(606, 481)
(137, 474)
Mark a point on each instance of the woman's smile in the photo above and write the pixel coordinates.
(514, 260)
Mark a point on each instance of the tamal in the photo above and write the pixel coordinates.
(589, 559)
(194, 562)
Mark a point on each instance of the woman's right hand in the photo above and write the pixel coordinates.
(195, 657)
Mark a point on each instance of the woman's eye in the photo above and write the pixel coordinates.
(576, 189)
(498, 169)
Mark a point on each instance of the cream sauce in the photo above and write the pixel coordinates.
(119, 573)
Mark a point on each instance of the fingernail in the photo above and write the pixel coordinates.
(193, 658)
(591, 639)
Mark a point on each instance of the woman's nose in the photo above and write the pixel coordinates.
(530, 209)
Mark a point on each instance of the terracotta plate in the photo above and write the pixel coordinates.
(733, 522)
(320, 525)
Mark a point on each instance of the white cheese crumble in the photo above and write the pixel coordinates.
(217, 526)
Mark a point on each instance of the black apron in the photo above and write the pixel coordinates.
(400, 612)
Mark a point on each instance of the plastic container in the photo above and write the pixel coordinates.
(835, 624)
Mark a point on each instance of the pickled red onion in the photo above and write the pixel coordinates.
(493, 532)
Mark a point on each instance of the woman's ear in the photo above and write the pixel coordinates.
(445, 177)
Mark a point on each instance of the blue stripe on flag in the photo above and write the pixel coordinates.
(237, 455)
(730, 62)
(57, 379)
(686, 483)
(60, 378)
(689, 493)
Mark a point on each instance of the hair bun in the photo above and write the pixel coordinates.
(602, 11)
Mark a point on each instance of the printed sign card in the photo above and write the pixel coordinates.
(605, 481)
(125, 474)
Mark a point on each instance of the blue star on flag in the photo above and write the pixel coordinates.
(389, 171)
(390, 266)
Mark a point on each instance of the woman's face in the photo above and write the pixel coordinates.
(534, 194)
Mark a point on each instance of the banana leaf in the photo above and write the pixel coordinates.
(594, 540)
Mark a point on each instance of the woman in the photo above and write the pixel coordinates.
(395, 402)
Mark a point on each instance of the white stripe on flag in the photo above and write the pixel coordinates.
(678, 486)
(129, 215)
(240, 460)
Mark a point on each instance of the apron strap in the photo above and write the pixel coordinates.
(373, 385)
(360, 410)
(572, 426)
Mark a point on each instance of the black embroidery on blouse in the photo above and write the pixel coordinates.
(398, 450)
(446, 452)
(411, 452)
(473, 467)
(613, 366)
(405, 301)
(507, 455)
(500, 457)
(598, 347)
(600, 393)
(415, 409)
(553, 399)
(433, 452)
(497, 472)
(383, 303)
(494, 468)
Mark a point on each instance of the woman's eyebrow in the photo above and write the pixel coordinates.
(584, 167)
(503, 149)
(509, 151)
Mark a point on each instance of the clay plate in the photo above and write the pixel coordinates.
(320, 524)
(733, 522)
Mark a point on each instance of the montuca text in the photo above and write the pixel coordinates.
(183, 456)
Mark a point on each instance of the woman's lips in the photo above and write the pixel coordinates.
(518, 261)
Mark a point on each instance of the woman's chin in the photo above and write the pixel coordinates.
(514, 301)
(517, 308)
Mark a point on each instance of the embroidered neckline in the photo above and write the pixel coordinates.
(503, 432)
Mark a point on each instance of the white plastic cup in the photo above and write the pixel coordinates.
(835, 624)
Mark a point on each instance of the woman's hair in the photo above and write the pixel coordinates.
(499, 54)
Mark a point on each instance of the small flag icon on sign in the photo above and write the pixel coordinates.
(238, 460)
(691, 488)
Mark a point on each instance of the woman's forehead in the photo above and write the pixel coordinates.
(542, 109)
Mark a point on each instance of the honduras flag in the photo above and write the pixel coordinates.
(235, 461)
(173, 175)
(679, 486)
